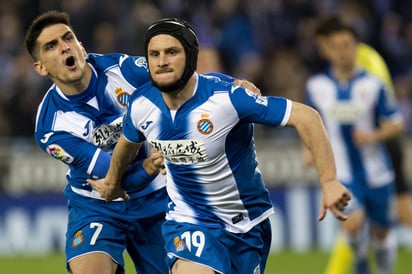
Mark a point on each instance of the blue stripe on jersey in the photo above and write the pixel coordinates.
(241, 154)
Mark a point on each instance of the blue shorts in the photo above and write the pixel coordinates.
(378, 203)
(223, 251)
(111, 228)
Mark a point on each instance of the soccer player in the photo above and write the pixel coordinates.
(79, 122)
(370, 60)
(217, 220)
(360, 113)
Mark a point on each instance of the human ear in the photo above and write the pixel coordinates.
(40, 69)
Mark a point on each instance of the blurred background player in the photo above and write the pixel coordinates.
(353, 120)
(369, 59)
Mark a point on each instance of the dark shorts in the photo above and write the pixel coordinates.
(111, 228)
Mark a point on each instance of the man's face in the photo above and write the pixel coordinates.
(60, 55)
(167, 60)
(340, 50)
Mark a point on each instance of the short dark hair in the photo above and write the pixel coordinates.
(44, 20)
(330, 25)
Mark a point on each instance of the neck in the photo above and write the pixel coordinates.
(177, 98)
(344, 74)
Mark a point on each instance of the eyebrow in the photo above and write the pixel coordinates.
(54, 41)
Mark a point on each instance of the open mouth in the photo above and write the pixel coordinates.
(70, 62)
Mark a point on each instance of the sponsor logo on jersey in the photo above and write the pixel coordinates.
(122, 96)
(262, 100)
(108, 135)
(59, 153)
(146, 125)
(204, 125)
(179, 244)
(181, 152)
(345, 112)
(78, 239)
(141, 62)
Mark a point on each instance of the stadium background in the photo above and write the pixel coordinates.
(266, 41)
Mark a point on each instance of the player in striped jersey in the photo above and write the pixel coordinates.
(217, 220)
(352, 103)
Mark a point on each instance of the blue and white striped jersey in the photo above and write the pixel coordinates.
(359, 104)
(82, 130)
(213, 177)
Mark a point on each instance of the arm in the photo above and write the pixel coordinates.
(88, 158)
(311, 130)
(387, 130)
(110, 187)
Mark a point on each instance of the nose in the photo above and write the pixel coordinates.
(65, 47)
(162, 60)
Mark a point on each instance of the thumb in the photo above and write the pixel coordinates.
(125, 196)
(322, 213)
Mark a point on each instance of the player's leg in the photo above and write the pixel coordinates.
(382, 215)
(403, 196)
(94, 263)
(404, 208)
(351, 246)
(183, 267)
(356, 232)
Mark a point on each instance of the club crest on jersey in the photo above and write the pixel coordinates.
(179, 244)
(204, 125)
(122, 96)
(141, 62)
(59, 153)
(78, 239)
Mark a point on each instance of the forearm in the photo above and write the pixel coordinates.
(123, 155)
(389, 130)
(312, 132)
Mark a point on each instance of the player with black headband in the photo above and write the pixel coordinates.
(218, 217)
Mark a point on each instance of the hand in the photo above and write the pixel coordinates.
(154, 163)
(248, 85)
(361, 138)
(108, 191)
(335, 197)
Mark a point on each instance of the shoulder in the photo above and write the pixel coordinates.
(146, 90)
(214, 83)
(107, 61)
(317, 79)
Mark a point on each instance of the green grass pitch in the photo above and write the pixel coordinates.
(278, 263)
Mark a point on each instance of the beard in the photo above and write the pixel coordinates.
(176, 85)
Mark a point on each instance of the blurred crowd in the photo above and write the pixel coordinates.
(268, 42)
